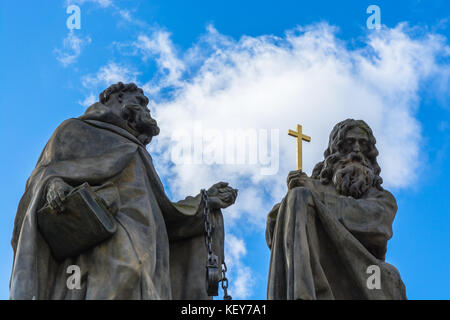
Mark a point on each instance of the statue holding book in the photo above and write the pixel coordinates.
(94, 200)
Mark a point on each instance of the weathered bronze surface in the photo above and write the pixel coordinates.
(85, 222)
(158, 250)
(332, 229)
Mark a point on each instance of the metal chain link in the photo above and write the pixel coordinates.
(225, 282)
(208, 224)
(212, 258)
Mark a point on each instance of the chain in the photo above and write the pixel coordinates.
(211, 263)
(225, 282)
(208, 224)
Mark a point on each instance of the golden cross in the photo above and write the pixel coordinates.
(300, 137)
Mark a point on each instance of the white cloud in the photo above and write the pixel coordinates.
(109, 74)
(71, 50)
(101, 3)
(242, 279)
(159, 47)
(89, 100)
(309, 77)
(125, 14)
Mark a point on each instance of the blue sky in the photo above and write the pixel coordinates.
(257, 65)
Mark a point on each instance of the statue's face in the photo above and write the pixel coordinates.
(356, 140)
(353, 172)
(134, 109)
(134, 98)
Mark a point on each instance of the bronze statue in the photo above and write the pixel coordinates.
(329, 234)
(127, 238)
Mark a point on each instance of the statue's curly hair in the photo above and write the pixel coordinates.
(119, 88)
(324, 169)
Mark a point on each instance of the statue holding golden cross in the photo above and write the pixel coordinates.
(300, 138)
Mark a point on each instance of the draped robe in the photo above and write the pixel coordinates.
(158, 250)
(322, 245)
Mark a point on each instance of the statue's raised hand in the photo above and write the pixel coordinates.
(221, 195)
(299, 179)
(57, 191)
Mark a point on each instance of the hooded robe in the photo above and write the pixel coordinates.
(323, 245)
(158, 250)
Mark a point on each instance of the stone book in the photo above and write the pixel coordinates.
(84, 223)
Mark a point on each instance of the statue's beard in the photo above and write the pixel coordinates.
(146, 127)
(353, 175)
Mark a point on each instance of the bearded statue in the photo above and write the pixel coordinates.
(96, 205)
(328, 236)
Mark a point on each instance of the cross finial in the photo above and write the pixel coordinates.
(300, 137)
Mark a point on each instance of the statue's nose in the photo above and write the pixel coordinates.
(356, 147)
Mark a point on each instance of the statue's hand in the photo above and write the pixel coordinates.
(299, 179)
(57, 191)
(220, 195)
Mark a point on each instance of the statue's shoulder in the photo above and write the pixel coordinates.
(75, 136)
(374, 192)
(80, 129)
(388, 194)
(71, 125)
(390, 197)
(384, 197)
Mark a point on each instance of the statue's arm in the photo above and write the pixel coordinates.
(369, 219)
(190, 222)
(270, 224)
